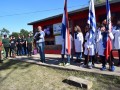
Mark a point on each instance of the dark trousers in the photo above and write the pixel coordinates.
(10, 51)
(88, 59)
(68, 58)
(19, 50)
(119, 55)
(24, 49)
(103, 60)
(6, 51)
(29, 48)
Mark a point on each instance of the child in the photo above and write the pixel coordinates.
(78, 42)
(101, 39)
(89, 49)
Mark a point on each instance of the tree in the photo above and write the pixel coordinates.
(100, 1)
(24, 32)
(4, 31)
(15, 34)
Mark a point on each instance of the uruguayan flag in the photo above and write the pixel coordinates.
(91, 17)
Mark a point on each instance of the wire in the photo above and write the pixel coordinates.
(40, 11)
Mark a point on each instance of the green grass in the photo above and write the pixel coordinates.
(16, 75)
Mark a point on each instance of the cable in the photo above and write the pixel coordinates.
(40, 11)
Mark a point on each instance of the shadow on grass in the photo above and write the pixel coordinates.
(14, 64)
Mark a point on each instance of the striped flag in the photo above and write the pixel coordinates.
(65, 32)
(108, 27)
(91, 18)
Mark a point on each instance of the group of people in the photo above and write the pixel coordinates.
(19, 46)
(89, 45)
(93, 45)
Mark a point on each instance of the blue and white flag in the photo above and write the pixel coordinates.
(91, 18)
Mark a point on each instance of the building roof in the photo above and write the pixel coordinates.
(72, 12)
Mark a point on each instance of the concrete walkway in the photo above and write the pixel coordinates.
(53, 61)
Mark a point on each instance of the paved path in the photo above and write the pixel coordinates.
(53, 61)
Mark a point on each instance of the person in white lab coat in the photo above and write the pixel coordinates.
(78, 43)
(116, 41)
(89, 51)
(102, 46)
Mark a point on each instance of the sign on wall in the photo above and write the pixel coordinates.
(58, 40)
(57, 28)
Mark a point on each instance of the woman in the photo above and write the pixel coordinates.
(78, 42)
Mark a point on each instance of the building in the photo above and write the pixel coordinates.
(52, 25)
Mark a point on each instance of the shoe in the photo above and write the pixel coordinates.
(93, 65)
(77, 61)
(61, 64)
(67, 64)
(103, 68)
(84, 66)
(112, 68)
(90, 65)
(118, 64)
(1, 61)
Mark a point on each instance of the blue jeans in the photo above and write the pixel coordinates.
(79, 55)
(41, 47)
(68, 58)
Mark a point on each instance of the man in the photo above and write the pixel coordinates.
(29, 45)
(116, 41)
(19, 45)
(13, 45)
(40, 42)
(24, 49)
(5, 43)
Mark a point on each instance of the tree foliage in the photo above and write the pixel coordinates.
(100, 1)
(21, 33)
(24, 32)
(4, 31)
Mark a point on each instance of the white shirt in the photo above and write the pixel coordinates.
(42, 35)
(116, 40)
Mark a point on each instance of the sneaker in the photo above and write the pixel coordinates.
(1, 61)
(103, 68)
(84, 66)
(90, 65)
(61, 64)
(67, 64)
(93, 65)
(118, 64)
(112, 68)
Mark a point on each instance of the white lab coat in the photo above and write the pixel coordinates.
(78, 42)
(90, 43)
(116, 41)
(101, 48)
(71, 40)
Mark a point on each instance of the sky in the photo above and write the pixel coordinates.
(16, 14)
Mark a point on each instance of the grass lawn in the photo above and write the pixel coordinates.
(16, 75)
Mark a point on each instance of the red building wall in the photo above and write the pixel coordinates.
(81, 18)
